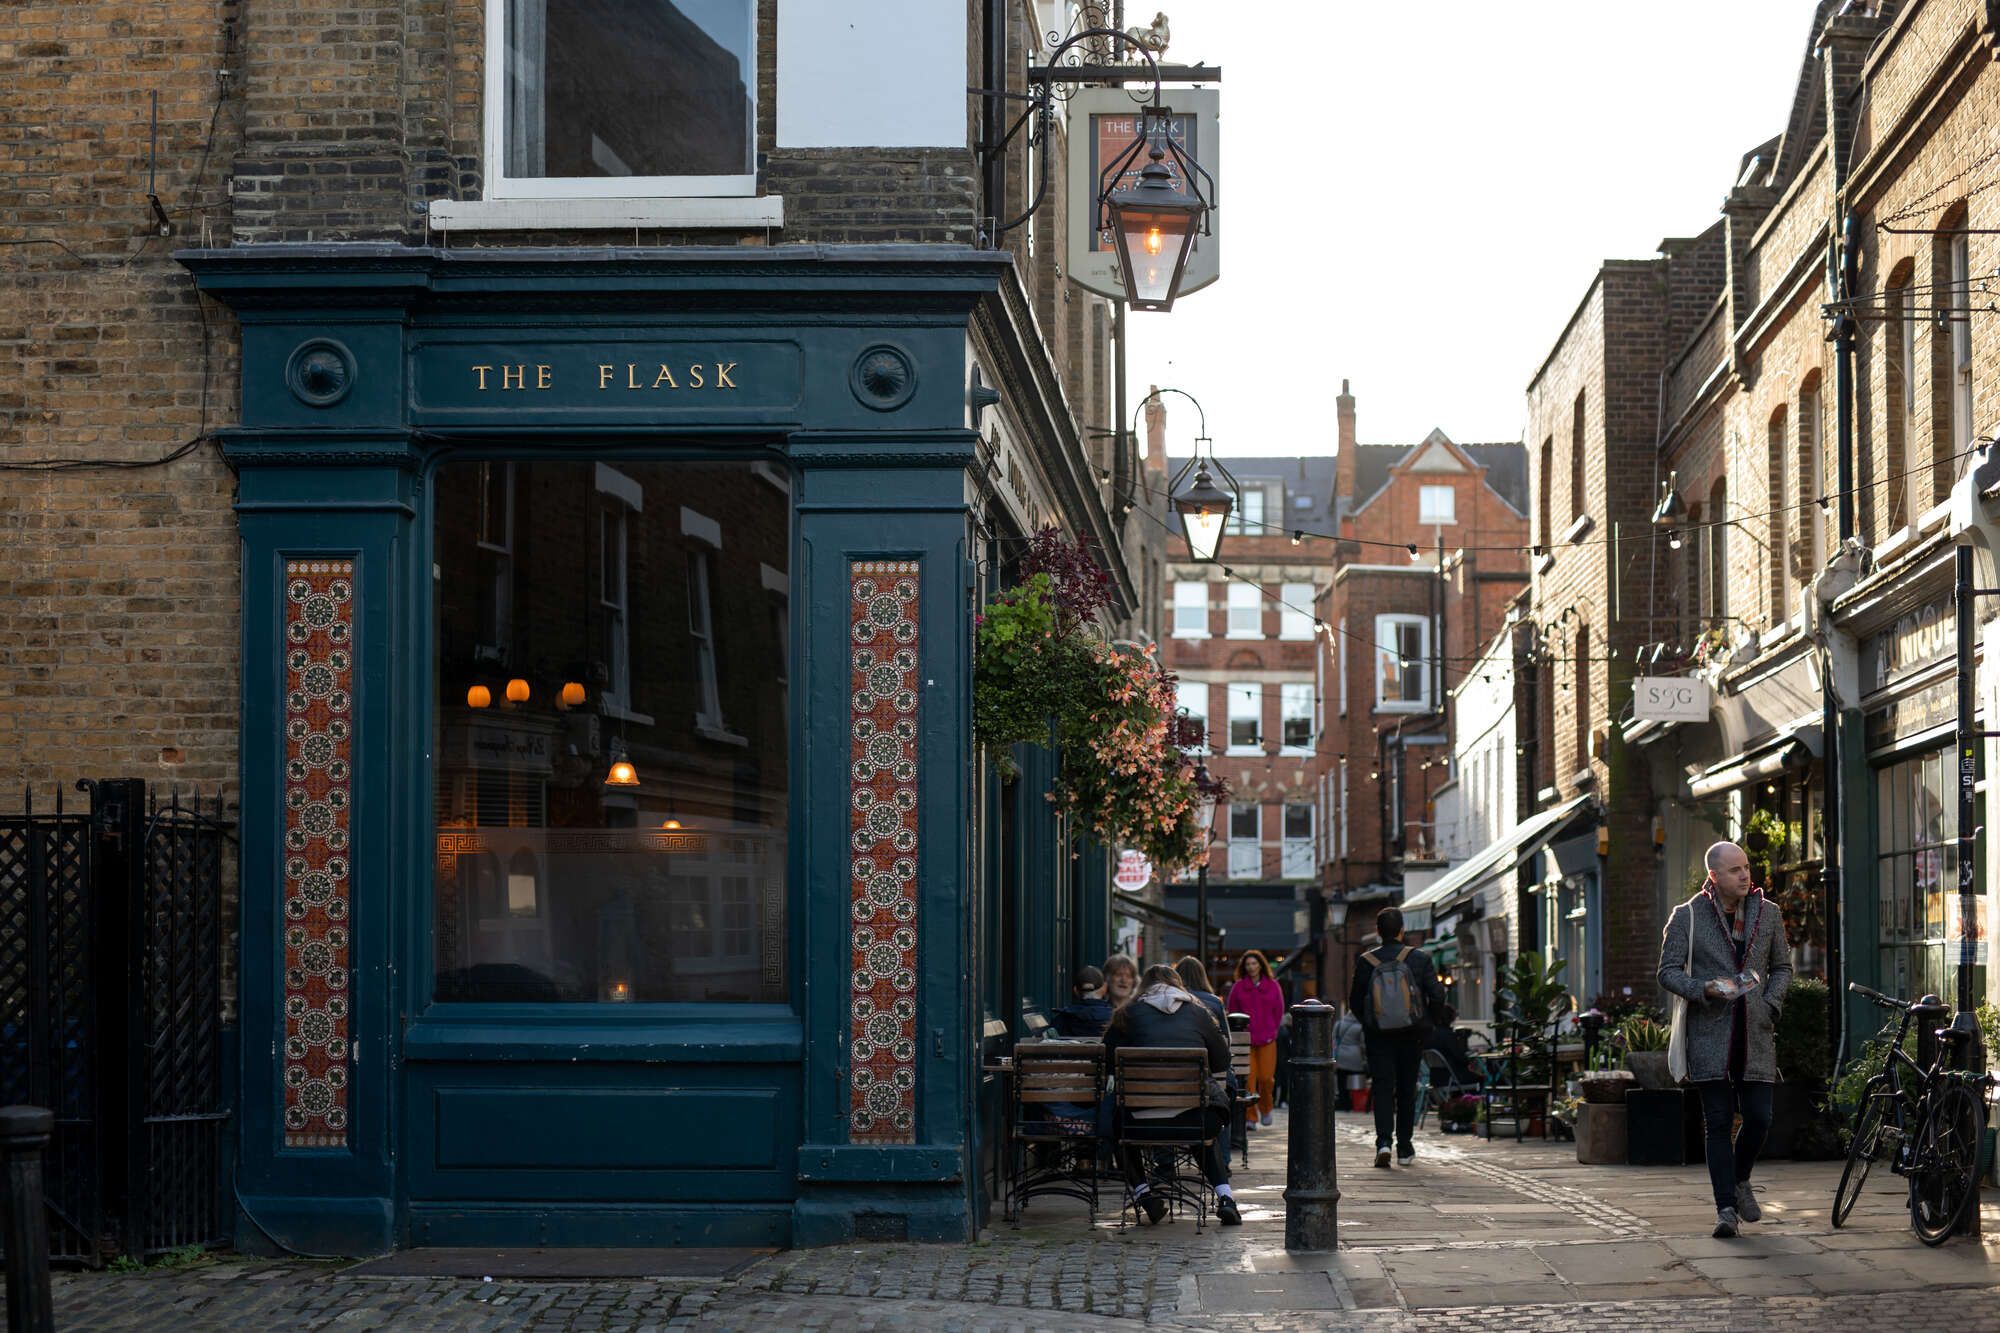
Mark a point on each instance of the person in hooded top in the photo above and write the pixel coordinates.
(1088, 1010)
(1164, 1013)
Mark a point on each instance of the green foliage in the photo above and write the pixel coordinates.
(1803, 1054)
(1845, 1092)
(1641, 1032)
(1532, 991)
(1043, 675)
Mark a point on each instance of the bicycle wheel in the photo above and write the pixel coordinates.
(1862, 1146)
(1945, 1180)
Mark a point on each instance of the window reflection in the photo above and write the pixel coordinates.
(647, 630)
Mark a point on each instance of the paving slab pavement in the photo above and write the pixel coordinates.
(1500, 1235)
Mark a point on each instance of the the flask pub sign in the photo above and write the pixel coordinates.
(744, 377)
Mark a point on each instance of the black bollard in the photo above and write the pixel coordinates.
(24, 1132)
(1312, 1190)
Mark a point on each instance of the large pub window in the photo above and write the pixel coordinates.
(599, 838)
(1914, 830)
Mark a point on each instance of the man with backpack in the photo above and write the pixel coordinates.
(1395, 992)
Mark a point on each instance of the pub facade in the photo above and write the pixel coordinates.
(621, 420)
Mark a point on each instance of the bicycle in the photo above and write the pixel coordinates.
(1928, 1123)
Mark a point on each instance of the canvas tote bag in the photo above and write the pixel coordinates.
(1677, 1042)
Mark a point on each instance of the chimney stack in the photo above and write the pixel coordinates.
(1344, 461)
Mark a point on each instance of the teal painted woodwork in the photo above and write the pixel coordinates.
(635, 1124)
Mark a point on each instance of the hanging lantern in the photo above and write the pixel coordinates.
(1154, 221)
(517, 691)
(572, 694)
(622, 774)
(479, 697)
(1204, 507)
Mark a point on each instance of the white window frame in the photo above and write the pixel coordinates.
(1241, 523)
(1340, 816)
(1428, 510)
(1295, 610)
(1290, 694)
(502, 550)
(1386, 642)
(1246, 855)
(499, 185)
(1296, 852)
(1190, 611)
(619, 497)
(1960, 326)
(1246, 700)
(704, 543)
(1192, 695)
(1246, 597)
(1341, 651)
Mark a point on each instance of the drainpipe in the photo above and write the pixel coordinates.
(1844, 262)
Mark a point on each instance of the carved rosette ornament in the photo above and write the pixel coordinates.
(319, 756)
(882, 845)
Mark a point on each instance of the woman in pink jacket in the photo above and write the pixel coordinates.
(1257, 993)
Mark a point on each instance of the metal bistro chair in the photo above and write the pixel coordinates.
(1241, 1099)
(1172, 1079)
(1439, 1085)
(1054, 1145)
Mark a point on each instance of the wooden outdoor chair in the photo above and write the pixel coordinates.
(1053, 1147)
(1174, 1080)
(1242, 1100)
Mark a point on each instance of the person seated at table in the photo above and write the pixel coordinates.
(1088, 1011)
(1165, 1014)
(1195, 977)
(1449, 1043)
(1121, 979)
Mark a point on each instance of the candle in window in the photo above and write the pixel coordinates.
(621, 992)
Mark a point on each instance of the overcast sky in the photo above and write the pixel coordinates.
(1416, 194)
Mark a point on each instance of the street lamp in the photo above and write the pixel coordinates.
(1155, 220)
(1204, 508)
(1207, 795)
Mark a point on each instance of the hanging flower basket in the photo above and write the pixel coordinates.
(1043, 674)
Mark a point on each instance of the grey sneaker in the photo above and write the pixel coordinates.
(1746, 1203)
(1725, 1224)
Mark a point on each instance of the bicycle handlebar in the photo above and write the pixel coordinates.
(1886, 1001)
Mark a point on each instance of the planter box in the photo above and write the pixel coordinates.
(1656, 1127)
(1650, 1068)
(1600, 1134)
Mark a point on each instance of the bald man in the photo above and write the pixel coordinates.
(1724, 951)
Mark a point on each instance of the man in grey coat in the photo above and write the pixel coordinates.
(1724, 951)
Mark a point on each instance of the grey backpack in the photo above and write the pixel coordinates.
(1392, 992)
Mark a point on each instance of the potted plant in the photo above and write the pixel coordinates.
(1645, 1043)
(1530, 997)
(1457, 1115)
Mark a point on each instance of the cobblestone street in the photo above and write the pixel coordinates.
(1499, 1235)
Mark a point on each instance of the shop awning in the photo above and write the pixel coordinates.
(1523, 841)
(1443, 952)
(1795, 747)
(1154, 915)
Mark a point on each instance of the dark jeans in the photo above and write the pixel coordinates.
(1729, 1164)
(1214, 1158)
(1392, 1067)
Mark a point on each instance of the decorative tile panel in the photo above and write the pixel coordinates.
(319, 759)
(882, 820)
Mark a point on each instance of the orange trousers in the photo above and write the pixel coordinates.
(1262, 1079)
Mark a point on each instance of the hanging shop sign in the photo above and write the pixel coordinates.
(1135, 872)
(1102, 124)
(1670, 699)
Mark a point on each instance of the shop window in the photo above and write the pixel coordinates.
(1246, 717)
(1246, 611)
(552, 884)
(1295, 717)
(1190, 610)
(1298, 842)
(1246, 841)
(601, 98)
(1437, 504)
(1915, 810)
(1295, 611)
(1402, 652)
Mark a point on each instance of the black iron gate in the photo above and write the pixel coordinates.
(110, 1013)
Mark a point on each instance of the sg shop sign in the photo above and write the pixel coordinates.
(1669, 699)
(694, 378)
